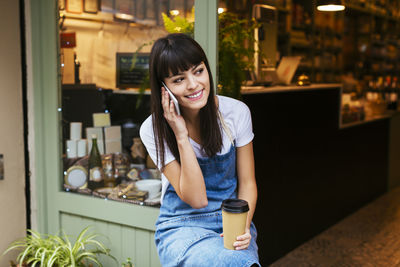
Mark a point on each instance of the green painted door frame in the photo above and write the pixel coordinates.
(206, 32)
(55, 208)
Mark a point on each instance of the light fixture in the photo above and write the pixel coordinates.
(124, 17)
(174, 12)
(330, 5)
(221, 7)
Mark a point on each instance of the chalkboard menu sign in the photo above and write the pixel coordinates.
(129, 76)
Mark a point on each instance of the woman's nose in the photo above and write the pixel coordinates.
(192, 82)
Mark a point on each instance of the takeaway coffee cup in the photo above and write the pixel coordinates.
(234, 217)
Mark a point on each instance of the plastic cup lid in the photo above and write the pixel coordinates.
(235, 205)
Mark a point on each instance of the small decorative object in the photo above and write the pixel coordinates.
(112, 137)
(120, 165)
(136, 195)
(82, 148)
(123, 189)
(75, 130)
(153, 186)
(303, 80)
(91, 6)
(138, 151)
(72, 147)
(74, 6)
(103, 192)
(76, 177)
(133, 174)
(109, 179)
(145, 174)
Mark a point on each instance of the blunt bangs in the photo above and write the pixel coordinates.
(178, 56)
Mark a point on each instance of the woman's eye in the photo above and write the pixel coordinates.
(198, 71)
(178, 80)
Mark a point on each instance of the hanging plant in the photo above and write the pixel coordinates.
(235, 52)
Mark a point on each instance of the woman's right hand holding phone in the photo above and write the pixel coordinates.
(186, 177)
(175, 121)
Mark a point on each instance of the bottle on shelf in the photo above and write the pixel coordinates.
(387, 90)
(369, 94)
(393, 97)
(369, 97)
(96, 172)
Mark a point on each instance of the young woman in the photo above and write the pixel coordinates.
(205, 156)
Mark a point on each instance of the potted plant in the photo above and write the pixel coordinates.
(127, 263)
(235, 52)
(52, 250)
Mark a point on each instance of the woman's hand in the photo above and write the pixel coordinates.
(175, 121)
(243, 241)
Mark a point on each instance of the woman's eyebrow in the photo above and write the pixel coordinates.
(195, 66)
(181, 73)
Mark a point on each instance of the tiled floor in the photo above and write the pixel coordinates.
(369, 237)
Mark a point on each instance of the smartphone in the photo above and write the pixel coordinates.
(171, 95)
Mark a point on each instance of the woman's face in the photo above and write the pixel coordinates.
(191, 88)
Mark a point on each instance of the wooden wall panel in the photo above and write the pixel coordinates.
(124, 241)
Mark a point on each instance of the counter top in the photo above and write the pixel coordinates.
(387, 115)
(287, 88)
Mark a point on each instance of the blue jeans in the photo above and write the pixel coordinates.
(191, 237)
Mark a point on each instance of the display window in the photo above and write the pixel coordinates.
(104, 53)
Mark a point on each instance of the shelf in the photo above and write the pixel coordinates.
(321, 33)
(131, 91)
(369, 11)
(301, 46)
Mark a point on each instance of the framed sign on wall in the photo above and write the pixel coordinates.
(128, 76)
(91, 6)
(74, 6)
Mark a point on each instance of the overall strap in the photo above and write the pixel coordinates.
(225, 127)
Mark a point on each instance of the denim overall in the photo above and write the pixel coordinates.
(191, 237)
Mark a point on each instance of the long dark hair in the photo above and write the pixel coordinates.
(176, 53)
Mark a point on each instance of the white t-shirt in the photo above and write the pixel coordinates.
(237, 118)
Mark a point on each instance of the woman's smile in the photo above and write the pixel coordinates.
(196, 95)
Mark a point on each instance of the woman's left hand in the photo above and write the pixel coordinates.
(243, 241)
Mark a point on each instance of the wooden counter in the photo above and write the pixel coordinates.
(310, 172)
(287, 88)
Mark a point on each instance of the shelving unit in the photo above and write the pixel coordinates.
(362, 40)
(372, 32)
(313, 35)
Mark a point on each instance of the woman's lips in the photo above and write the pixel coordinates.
(195, 96)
